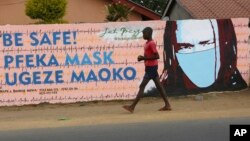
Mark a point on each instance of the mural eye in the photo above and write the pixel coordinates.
(185, 45)
(203, 42)
(207, 42)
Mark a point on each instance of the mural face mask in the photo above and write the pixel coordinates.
(198, 50)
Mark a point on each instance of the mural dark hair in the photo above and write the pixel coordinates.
(229, 77)
(249, 23)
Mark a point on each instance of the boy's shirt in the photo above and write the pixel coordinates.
(149, 50)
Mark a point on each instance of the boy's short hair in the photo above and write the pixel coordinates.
(148, 30)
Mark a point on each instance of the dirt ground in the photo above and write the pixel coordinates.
(203, 106)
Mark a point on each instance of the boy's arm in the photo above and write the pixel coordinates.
(154, 56)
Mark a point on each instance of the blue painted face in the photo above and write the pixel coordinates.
(198, 53)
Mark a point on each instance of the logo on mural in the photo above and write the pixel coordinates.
(122, 33)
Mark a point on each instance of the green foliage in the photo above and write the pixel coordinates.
(117, 11)
(46, 11)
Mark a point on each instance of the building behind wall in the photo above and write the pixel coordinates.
(205, 9)
(78, 11)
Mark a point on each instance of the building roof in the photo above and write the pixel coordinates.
(216, 8)
(140, 9)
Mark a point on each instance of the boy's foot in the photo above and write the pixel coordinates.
(128, 108)
(165, 108)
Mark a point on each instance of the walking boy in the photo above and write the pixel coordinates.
(151, 66)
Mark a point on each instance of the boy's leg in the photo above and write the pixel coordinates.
(138, 97)
(163, 94)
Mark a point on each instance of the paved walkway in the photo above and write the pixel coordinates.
(206, 106)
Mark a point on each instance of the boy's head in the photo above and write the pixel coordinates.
(147, 33)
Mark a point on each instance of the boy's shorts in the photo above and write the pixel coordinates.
(151, 72)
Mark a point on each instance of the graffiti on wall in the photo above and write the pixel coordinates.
(206, 55)
(88, 62)
(72, 62)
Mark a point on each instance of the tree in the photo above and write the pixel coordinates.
(117, 11)
(46, 11)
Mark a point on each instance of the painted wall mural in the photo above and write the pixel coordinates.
(206, 55)
(87, 62)
(72, 62)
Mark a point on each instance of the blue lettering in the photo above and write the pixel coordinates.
(107, 58)
(66, 38)
(33, 37)
(18, 39)
(133, 73)
(39, 60)
(47, 78)
(70, 61)
(77, 78)
(7, 39)
(24, 80)
(45, 40)
(8, 60)
(91, 76)
(53, 61)
(59, 76)
(19, 60)
(102, 77)
(29, 61)
(96, 55)
(8, 79)
(86, 60)
(56, 37)
(116, 73)
(36, 78)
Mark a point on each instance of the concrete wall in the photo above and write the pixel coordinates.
(37, 64)
(108, 70)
